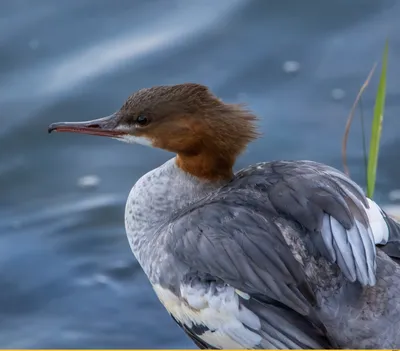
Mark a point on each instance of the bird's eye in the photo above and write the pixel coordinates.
(142, 120)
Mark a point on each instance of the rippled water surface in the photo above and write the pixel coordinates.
(67, 276)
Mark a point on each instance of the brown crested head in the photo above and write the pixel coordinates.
(206, 134)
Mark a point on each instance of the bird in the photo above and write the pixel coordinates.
(285, 254)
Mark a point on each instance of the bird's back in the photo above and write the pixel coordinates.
(299, 237)
(355, 316)
(366, 317)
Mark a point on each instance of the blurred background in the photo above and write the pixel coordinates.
(67, 276)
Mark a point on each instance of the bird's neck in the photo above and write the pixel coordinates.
(152, 202)
(207, 165)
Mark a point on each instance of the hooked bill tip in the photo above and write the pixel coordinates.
(51, 128)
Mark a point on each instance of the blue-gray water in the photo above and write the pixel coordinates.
(67, 276)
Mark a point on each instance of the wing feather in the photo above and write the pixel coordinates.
(235, 237)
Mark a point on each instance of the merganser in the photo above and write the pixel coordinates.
(280, 255)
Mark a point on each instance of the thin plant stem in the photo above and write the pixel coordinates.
(364, 142)
(350, 119)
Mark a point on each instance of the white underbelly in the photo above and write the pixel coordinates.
(225, 324)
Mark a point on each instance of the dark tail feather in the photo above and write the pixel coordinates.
(392, 247)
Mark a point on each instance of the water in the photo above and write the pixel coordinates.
(67, 276)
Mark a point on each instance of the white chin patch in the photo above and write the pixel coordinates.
(131, 139)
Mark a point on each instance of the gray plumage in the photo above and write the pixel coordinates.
(287, 254)
(282, 256)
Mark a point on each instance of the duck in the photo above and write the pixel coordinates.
(286, 254)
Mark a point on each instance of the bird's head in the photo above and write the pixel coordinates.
(206, 134)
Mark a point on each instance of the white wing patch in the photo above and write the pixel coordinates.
(218, 309)
(379, 227)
